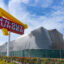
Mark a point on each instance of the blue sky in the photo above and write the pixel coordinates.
(35, 13)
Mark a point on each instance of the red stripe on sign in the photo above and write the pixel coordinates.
(10, 26)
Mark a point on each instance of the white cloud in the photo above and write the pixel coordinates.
(44, 3)
(39, 3)
(19, 11)
(25, 1)
(20, 1)
(3, 38)
(2, 5)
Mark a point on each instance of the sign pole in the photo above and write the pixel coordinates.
(8, 44)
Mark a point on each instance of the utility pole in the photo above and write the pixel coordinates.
(8, 44)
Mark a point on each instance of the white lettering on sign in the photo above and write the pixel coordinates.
(4, 23)
(1, 22)
(21, 29)
(13, 26)
(17, 27)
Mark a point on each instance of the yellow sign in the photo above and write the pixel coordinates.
(5, 31)
(11, 18)
(8, 16)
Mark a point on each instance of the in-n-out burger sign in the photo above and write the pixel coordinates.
(11, 26)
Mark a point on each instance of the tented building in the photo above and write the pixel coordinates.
(39, 41)
(57, 39)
